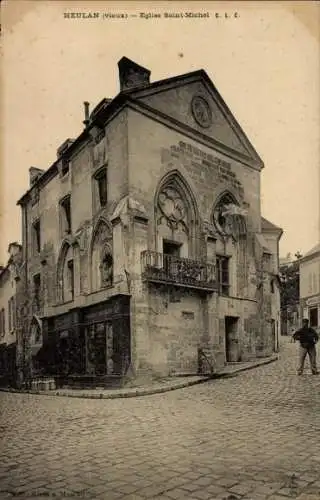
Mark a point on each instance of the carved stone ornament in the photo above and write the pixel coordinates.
(209, 229)
(172, 207)
(201, 111)
(223, 222)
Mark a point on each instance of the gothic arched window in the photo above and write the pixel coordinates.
(176, 216)
(65, 273)
(228, 216)
(101, 257)
(106, 268)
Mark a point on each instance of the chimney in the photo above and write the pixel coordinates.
(131, 75)
(86, 113)
(34, 174)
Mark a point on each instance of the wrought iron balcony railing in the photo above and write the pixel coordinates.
(162, 268)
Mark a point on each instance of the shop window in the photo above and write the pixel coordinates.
(313, 317)
(102, 187)
(101, 356)
(223, 277)
(36, 237)
(65, 215)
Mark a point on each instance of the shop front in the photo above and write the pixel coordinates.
(89, 346)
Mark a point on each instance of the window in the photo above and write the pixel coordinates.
(171, 248)
(102, 184)
(223, 275)
(36, 237)
(37, 290)
(313, 317)
(70, 278)
(225, 222)
(65, 207)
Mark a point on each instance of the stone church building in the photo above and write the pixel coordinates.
(146, 250)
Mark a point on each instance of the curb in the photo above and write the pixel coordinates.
(143, 392)
(247, 368)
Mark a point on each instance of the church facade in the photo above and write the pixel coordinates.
(146, 250)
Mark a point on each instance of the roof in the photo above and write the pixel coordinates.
(313, 251)
(266, 225)
(200, 76)
(131, 97)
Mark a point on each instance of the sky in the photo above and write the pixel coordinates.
(265, 63)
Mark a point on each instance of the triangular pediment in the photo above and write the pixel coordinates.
(193, 101)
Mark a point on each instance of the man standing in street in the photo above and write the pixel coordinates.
(308, 338)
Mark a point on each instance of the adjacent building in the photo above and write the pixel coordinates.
(145, 248)
(9, 276)
(310, 287)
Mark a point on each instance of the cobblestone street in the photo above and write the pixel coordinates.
(253, 436)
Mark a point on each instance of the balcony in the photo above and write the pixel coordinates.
(178, 271)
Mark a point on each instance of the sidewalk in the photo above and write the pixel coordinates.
(155, 387)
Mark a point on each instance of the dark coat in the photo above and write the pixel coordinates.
(307, 336)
